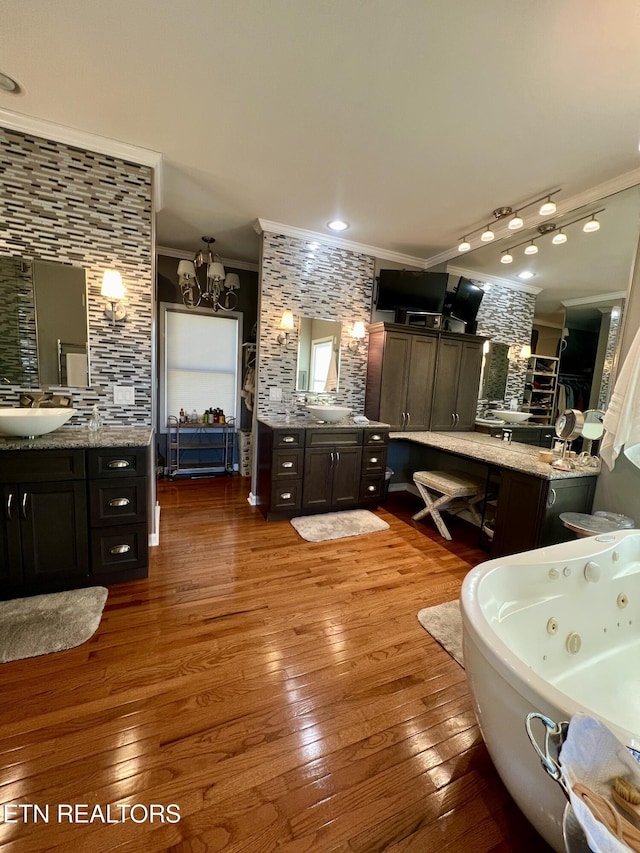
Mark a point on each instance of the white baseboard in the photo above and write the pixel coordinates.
(154, 538)
(404, 487)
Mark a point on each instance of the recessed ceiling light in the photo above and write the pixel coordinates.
(8, 84)
(525, 274)
(338, 225)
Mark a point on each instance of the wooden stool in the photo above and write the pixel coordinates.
(457, 490)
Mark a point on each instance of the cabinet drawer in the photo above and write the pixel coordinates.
(288, 438)
(287, 464)
(374, 460)
(371, 488)
(286, 495)
(120, 502)
(334, 437)
(376, 436)
(32, 466)
(119, 549)
(116, 462)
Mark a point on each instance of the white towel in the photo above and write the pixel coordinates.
(622, 419)
(331, 382)
(77, 369)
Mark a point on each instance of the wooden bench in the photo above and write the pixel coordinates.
(452, 491)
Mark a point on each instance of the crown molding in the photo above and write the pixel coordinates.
(180, 254)
(614, 296)
(88, 142)
(262, 225)
(495, 279)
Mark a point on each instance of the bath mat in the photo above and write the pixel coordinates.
(49, 623)
(444, 623)
(338, 525)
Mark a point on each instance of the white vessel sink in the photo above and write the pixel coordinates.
(31, 422)
(330, 414)
(510, 416)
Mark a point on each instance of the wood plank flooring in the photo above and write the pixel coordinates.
(281, 693)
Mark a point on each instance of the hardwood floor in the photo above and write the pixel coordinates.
(281, 693)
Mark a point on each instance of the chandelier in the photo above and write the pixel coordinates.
(213, 286)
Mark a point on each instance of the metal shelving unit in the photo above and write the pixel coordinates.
(192, 446)
(541, 402)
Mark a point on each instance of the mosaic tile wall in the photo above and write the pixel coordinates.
(506, 316)
(609, 358)
(65, 204)
(18, 347)
(311, 280)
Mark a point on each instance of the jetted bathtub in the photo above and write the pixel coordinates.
(555, 630)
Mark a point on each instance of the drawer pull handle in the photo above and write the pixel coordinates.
(376, 437)
(371, 488)
(118, 463)
(119, 502)
(289, 439)
(9, 503)
(373, 460)
(120, 549)
(24, 505)
(286, 496)
(287, 464)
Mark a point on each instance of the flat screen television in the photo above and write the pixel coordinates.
(407, 290)
(464, 302)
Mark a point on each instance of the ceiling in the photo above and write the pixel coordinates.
(412, 120)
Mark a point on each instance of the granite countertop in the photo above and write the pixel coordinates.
(492, 451)
(311, 423)
(81, 437)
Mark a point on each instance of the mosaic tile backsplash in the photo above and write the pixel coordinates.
(317, 281)
(64, 204)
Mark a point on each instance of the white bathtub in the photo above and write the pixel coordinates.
(539, 636)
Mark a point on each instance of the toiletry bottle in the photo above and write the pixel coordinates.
(221, 418)
(194, 417)
(183, 417)
(95, 423)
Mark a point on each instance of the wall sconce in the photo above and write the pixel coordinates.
(114, 291)
(357, 336)
(525, 352)
(287, 324)
(516, 353)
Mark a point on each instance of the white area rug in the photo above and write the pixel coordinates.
(444, 623)
(338, 525)
(49, 623)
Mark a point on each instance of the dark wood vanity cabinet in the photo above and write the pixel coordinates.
(70, 520)
(43, 531)
(529, 510)
(302, 471)
(117, 487)
(421, 379)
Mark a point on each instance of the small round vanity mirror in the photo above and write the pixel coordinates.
(570, 424)
(593, 426)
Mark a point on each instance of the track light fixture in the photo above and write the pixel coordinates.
(515, 219)
(558, 231)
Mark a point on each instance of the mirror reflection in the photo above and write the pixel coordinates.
(318, 367)
(44, 327)
(583, 283)
(495, 369)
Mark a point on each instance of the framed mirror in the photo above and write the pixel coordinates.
(318, 364)
(44, 329)
(495, 369)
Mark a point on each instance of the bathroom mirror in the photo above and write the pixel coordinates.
(44, 329)
(318, 366)
(495, 369)
(591, 270)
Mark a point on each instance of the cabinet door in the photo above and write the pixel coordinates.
(10, 549)
(53, 523)
(345, 482)
(420, 382)
(446, 384)
(468, 385)
(395, 373)
(572, 495)
(318, 471)
(519, 513)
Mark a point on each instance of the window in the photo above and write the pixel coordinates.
(201, 361)
(321, 352)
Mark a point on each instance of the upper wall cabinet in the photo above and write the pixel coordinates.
(418, 380)
(44, 330)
